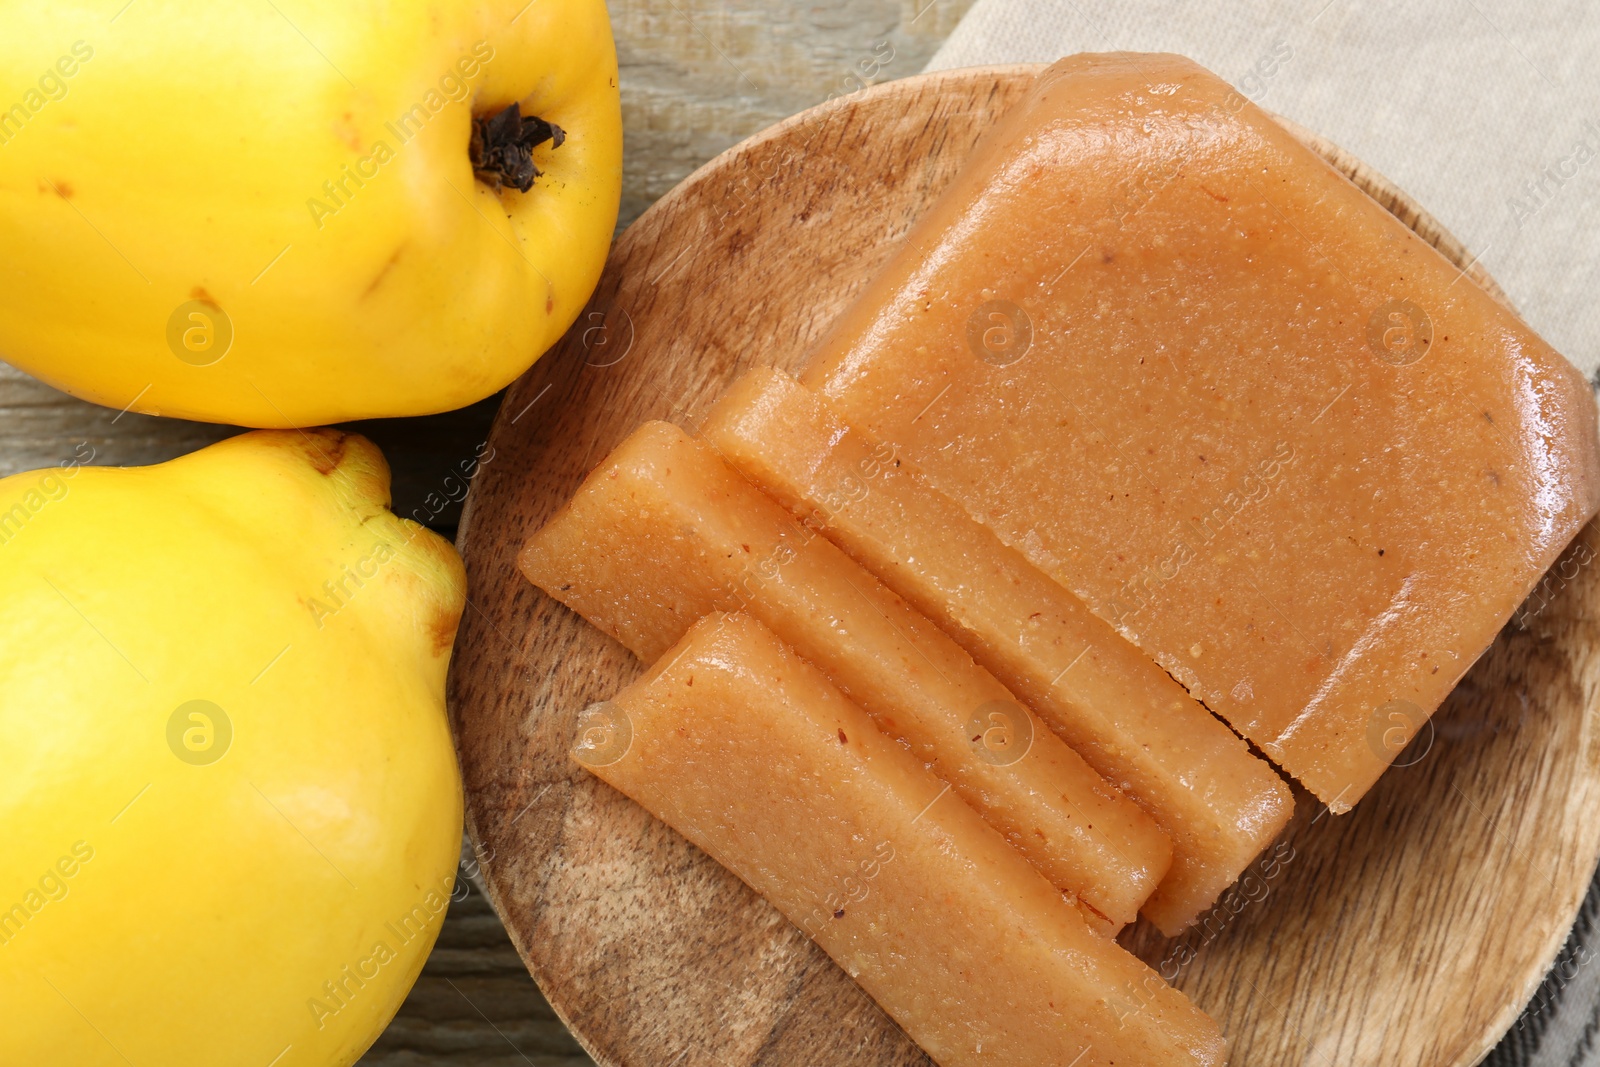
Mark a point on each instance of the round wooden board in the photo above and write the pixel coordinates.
(1409, 932)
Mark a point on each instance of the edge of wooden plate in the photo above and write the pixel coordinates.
(549, 873)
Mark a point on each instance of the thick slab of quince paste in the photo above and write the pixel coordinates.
(750, 753)
(1219, 803)
(664, 532)
(1165, 351)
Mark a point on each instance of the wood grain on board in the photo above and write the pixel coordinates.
(1407, 933)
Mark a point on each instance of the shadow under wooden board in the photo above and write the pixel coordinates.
(1408, 932)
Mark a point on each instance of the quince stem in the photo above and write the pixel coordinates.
(502, 147)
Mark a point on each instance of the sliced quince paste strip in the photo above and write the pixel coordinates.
(1195, 375)
(1129, 720)
(664, 532)
(753, 755)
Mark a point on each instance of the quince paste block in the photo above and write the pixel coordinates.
(750, 753)
(664, 532)
(1219, 803)
(1194, 374)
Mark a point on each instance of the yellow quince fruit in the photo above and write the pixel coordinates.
(296, 213)
(229, 799)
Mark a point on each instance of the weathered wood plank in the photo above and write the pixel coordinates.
(698, 76)
(475, 1004)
